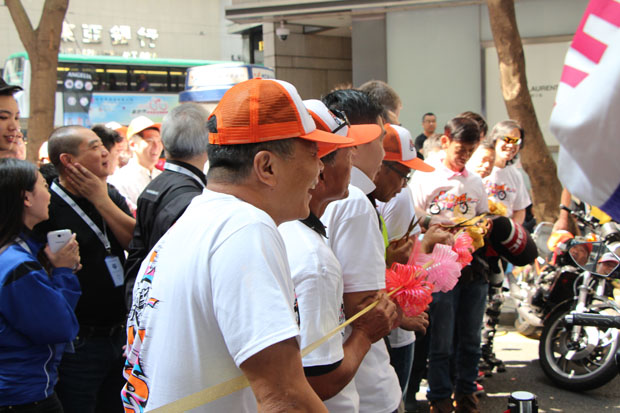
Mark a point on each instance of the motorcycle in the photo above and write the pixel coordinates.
(537, 289)
(582, 357)
(595, 320)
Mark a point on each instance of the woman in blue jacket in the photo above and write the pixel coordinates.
(36, 307)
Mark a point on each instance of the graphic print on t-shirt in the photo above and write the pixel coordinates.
(458, 204)
(135, 393)
(498, 191)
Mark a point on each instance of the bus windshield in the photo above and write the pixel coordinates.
(99, 89)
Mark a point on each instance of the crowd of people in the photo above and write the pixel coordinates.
(271, 221)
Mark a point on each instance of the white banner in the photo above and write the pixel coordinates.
(586, 118)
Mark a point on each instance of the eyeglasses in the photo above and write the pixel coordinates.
(404, 176)
(342, 118)
(511, 140)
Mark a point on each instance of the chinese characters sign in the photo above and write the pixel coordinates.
(119, 34)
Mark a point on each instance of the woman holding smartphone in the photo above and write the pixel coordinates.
(36, 307)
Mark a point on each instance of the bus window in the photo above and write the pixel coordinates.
(14, 71)
(150, 80)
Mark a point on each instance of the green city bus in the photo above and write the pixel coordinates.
(119, 88)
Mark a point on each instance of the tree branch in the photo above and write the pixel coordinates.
(22, 23)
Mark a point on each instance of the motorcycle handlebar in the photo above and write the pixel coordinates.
(579, 215)
(595, 320)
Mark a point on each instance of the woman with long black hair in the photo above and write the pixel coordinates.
(36, 307)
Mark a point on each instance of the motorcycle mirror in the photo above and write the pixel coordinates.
(594, 257)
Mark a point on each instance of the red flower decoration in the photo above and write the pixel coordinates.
(413, 292)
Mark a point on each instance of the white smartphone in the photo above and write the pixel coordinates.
(58, 239)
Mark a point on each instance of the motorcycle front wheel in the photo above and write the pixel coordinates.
(582, 364)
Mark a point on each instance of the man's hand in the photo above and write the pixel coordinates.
(399, 251)
(379, 321)
(436, 235)
(418, 323)
(86, 183)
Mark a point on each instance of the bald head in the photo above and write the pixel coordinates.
(65, 139)
(77, 144)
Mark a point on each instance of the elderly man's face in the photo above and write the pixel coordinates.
(299, 173)
(92, 154)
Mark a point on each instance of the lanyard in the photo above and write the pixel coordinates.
(102, 237)
(178, 168)
(23, 244)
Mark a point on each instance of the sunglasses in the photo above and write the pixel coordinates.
(343, 120)
(511, 140)
(404, 176)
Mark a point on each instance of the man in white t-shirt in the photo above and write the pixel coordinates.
(395, 205)
(317, 275)
(145, 143)
(214, 299)
(354, 236)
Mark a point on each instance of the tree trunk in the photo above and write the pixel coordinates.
(537, 161)
(42, 45)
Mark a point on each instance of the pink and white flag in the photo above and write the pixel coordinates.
(586, 116)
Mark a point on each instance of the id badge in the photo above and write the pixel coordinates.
(115, 268)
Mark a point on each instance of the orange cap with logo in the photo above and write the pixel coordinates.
(262, 110)
(399, 147)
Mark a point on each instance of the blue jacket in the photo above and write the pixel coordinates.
(36, 322)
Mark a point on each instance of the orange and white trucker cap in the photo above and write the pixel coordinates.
(399, 147)
(122, 130)
(326, 120)
(262, 110)
(337, 122)
(139, 124)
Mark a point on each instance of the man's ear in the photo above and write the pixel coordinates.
(445, 141)
(66, 159)
(265, 167)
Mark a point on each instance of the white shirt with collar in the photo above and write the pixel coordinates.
(317, 276)
(353, 234)
(397, 214)
(131, 179)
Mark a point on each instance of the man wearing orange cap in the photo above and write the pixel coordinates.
(145, 142)
(317, 276)
(354, 234)
(214, 299)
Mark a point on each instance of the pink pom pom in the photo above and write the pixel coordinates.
(463, 246)
(414, 292)
(444, 270)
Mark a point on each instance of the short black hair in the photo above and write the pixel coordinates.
(384, 94)
(427, 114)
(233, 163)
(109, 137)
(359, 106)
(476, 117)
(63, 140)
(462, 130)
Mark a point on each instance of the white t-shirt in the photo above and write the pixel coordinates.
(506, 185)
(450, 194)
(220, 292)
(131, 179)
(317, 276)
(354, 236)
(397, 214)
